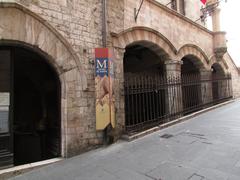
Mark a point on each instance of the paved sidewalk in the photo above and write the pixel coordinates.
(206, 147)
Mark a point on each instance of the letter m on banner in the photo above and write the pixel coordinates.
(101, 64)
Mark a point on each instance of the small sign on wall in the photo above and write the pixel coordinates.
(4, 126)
(4, 111)
(104, 78)
(4, 99)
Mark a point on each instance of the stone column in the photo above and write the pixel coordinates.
(206, 86)
(213, 5)
(219, 37)
(174, 90)
(216, 20)
(118, 91)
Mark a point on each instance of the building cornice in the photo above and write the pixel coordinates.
(175, 13)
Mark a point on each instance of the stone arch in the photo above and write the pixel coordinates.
(144, 34)
(160, 52)
(222, 64)
(21, 27)
(193, 50)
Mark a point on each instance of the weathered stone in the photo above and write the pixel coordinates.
(66, 33)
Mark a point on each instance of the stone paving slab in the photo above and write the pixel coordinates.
(207, 147)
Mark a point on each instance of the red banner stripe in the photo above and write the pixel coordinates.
(101, 53)
(204, 1)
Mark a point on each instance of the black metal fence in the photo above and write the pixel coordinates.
(152, 100)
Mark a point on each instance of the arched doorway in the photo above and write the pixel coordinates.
(34, 92)
(221, 84)
(145, 95)
(217, 73)
(191, 86)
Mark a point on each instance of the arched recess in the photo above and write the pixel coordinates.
(129, 42)
(34, 90)
(221, 64)
(144, 78)
(220, 83)
(21, 27)
(144, 34)
(218, 69)
(191, 74)
(195, 51)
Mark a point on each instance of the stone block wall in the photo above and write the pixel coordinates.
(171, 25)
(233, 70)
(79, 22)
(192, 9)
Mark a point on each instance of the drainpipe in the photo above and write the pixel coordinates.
(104, 23)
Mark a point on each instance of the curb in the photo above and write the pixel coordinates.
(129, 138)
(17, 170)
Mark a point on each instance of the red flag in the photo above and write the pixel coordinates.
(204, 1)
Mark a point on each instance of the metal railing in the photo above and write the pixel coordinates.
(151, 100)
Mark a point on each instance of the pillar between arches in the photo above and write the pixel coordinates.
(173, 68)
(206, 86)
(174, 90)
(119, 92)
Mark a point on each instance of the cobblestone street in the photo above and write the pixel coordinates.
(206, 147)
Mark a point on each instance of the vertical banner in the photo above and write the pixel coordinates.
(105, 109)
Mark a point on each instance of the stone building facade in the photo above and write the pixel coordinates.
(64, 34)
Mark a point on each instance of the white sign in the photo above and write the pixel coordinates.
(4, 119)
(4, 99)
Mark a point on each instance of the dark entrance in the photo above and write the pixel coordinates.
(215, 84)
(191, 88)
(145, 94)
(220, 86)
(34, 107)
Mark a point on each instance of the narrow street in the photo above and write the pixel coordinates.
(206, 147)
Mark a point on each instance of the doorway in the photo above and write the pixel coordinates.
(191, 88)
(34, 108)
(217, 82)
(144, 86)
